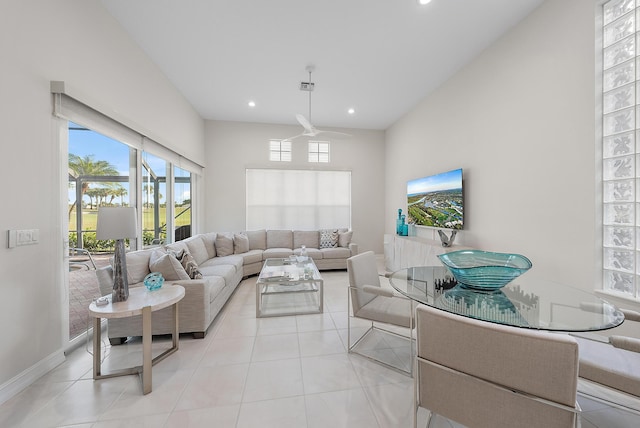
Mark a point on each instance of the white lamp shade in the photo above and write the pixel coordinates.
(116, 223)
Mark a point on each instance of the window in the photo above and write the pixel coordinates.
(154, 202)
(280, 151)
(182, 203)
(620, 149)
(294, 199)
(319, 151)
(98, 176)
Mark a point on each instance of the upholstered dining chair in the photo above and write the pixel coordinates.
(488, 375)
(389, 318)
(610, 371)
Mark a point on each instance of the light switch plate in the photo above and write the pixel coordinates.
(16, 238)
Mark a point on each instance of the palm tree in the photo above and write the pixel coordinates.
(84, 166)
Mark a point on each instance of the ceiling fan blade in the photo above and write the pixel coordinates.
(294, 137)
(305, 123)
(335, 135)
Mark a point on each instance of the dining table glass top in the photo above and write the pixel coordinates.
(525, 302)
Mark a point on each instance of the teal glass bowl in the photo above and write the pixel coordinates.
(153, 281)
(485, 270)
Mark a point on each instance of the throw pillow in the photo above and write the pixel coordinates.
(344, 238)
(190, 266)
(224, 244)
(240, 243)
(210, 243)
(168, 265)
(328, 238)
(257, 239)
(197, 249)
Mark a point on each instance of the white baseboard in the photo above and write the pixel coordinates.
(13, 386)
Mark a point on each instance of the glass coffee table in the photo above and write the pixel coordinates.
(291, 286)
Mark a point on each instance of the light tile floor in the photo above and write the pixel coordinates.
(272, 372)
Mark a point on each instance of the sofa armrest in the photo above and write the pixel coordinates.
(353, 247)
(196, 301)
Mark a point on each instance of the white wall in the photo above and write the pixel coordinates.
(77, 42)
(520, 120)
(232, 147)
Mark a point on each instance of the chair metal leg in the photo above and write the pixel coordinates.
(377, 327)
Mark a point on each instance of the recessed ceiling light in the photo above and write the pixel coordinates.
(424, 1)
(252, 103)
(351, 111)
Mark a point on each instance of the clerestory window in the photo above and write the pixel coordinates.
(279, 151)
(319, 151)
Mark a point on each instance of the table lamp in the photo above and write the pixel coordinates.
(118, 223)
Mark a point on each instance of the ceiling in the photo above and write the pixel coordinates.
(379, 57)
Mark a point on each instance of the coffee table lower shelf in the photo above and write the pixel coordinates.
(284, 288)
(274, 300)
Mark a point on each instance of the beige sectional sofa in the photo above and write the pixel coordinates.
(216, 263)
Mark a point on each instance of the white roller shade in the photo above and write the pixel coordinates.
(298, 199)
(66, 107)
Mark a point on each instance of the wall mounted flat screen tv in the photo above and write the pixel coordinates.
(436, 200)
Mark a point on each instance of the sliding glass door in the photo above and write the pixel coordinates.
(106, 172)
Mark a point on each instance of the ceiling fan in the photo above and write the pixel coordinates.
(309, 129)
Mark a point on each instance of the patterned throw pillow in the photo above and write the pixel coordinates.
(329, 238)
(189, 264)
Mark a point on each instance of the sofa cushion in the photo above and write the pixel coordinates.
(279, 239)
(308, 238)
(224, 244)
(167, 264)
(314, 253)
(197, 249)
(240, 243)
(226, 271)
(335, 253)
(257, 239)
(276, 253)
(209, 240)
(344, 238)
(328, 238)
(234, 260)
(137, 265)
(251, 256)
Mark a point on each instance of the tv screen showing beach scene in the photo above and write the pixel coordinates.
(436, 200)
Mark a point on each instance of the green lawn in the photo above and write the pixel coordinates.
(90, 218)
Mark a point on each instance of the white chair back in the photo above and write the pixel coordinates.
(483, 374)
(363, 270)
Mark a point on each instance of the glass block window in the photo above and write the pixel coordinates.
(280, 151)
(620, 126)
(319, 151)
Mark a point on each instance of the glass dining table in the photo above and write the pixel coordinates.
(525, 302)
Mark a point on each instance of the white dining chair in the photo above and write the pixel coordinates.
(610, 369)
(387, 336)
(487, 375)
